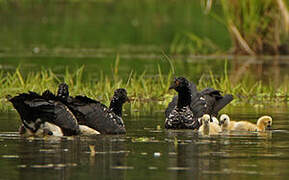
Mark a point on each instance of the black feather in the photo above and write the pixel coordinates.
(32, 106)
(208, 101)
(215, 101)
(185, 108)
(96, 115)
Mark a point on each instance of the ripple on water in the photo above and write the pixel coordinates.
(244, 172)
(9, 135)
(153, 168)
(39, 166)
(10, 156)
(179, 168)
(47, 150)
(109, 152)
(122, 167)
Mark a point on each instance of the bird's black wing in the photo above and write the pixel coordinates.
(194, 90)
(65, 119)
(33, 107)
(214, 100)
(95, 115)
(56, 113)
(221, 103)
(171, 106)
(20, 104)
(48, 95)
(198, 106)
(85, 99)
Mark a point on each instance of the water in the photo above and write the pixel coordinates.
(104, 24)
(147, 152)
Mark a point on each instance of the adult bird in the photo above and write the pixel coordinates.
(185, 108)
(41, 116)
(189, 105)
(94, 114)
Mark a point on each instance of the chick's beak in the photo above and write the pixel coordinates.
(269, 127)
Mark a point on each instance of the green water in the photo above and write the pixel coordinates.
(70, 33)
(148, 153)
(50, 24)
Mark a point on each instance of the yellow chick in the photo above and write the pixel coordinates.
(45, 130)
(207, 127)
(215, 120)
(226, 123)
(85, 130)
(263, 123)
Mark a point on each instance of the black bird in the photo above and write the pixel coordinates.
(94, 114)
(43, 116)
(185, 108)
(189, 105)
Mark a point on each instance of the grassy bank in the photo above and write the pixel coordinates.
(148, 93)
(257, 26)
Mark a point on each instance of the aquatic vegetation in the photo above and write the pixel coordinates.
(147, 93)
(257, 26)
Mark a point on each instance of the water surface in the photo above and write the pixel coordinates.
(147, 152)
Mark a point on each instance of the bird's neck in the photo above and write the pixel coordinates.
(206, 128)
(227, 123)
(116, 106)
(184, 98)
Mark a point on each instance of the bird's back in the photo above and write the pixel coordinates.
(245, 126)
(214, 100)
(96, 115)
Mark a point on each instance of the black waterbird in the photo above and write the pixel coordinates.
(189, 105)
(94, 114)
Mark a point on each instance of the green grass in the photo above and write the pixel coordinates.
(147, 93)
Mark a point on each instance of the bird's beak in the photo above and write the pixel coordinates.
(173, 86)
(269, 127)
(127, 99)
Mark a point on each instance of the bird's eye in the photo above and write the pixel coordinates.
(177, 83)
